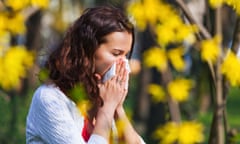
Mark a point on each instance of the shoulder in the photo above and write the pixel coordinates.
(49, 99)
(50, 102)
(48, 94)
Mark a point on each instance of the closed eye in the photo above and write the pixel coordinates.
(117, 52)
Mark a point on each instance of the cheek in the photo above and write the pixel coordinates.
(102, 65)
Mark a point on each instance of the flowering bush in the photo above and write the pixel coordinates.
(174, 35)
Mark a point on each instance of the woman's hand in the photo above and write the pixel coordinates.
(113, 90)
(113, 94)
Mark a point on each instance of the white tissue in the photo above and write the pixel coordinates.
(112, 72)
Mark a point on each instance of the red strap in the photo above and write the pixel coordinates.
(85, 133)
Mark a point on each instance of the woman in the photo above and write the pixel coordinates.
(99, 39)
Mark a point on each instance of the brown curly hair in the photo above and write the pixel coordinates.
(72, 62)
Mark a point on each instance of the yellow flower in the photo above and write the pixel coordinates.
(136, 9)
(174, 30)
(231, 68)
(190, 133)
(179, 89)
(157, 93)
(185, 31)
(4, 41)
(175, 56)
(146, 11)
(17, 4)
(167, 11)
(3, 21)
(40, 3)
(151, 8)
(235, 4)
(14, 64)
(121, 126)
(79, 96)
(155, 57)
(168, 134)
(16, 24)
(184, 133)
(84, 106)
(165, 34)
(216, 3)
(169, 26)
(210, 49)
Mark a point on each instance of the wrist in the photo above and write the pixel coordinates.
(120, 113)
(106, 110)
(103, 123)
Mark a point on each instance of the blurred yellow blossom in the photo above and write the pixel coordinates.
(235, 4)
(167, 12)
(179, 89)
(185, 31)
(137, 11)
(210, 49)
(174, 30)
(231, 68)
(165, 34)
(151, 9)
(168, 134)
(21, 4)
(155, 57)
(14, 23)
(84, 106)
(157, 93)
(3, 21)
(176, 57)
(4, 41)
(17, 4)
(188, 132)
(40, 3)
(168, 24)
(147, 11)
(121, 125)
(14, 64)
(216, 3)
(79, 96)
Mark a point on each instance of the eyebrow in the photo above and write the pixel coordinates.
(121, 50)
(116, 49)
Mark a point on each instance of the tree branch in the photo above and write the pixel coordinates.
(203, 31)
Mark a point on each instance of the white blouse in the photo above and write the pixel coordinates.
(54, 119)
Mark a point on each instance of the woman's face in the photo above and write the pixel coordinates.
(117, 45)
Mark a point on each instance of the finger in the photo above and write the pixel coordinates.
(118, 71)
(118, 66)
(122, 68)
(124, 76)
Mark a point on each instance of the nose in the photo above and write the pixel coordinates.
(122, 57)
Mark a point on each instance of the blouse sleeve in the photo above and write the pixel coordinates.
(142, 141)
(55, 124)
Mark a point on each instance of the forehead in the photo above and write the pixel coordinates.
(120, 40)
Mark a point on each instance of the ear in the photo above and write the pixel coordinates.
(98, 77)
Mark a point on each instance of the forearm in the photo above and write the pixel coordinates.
(129, 134)
(103, 123)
